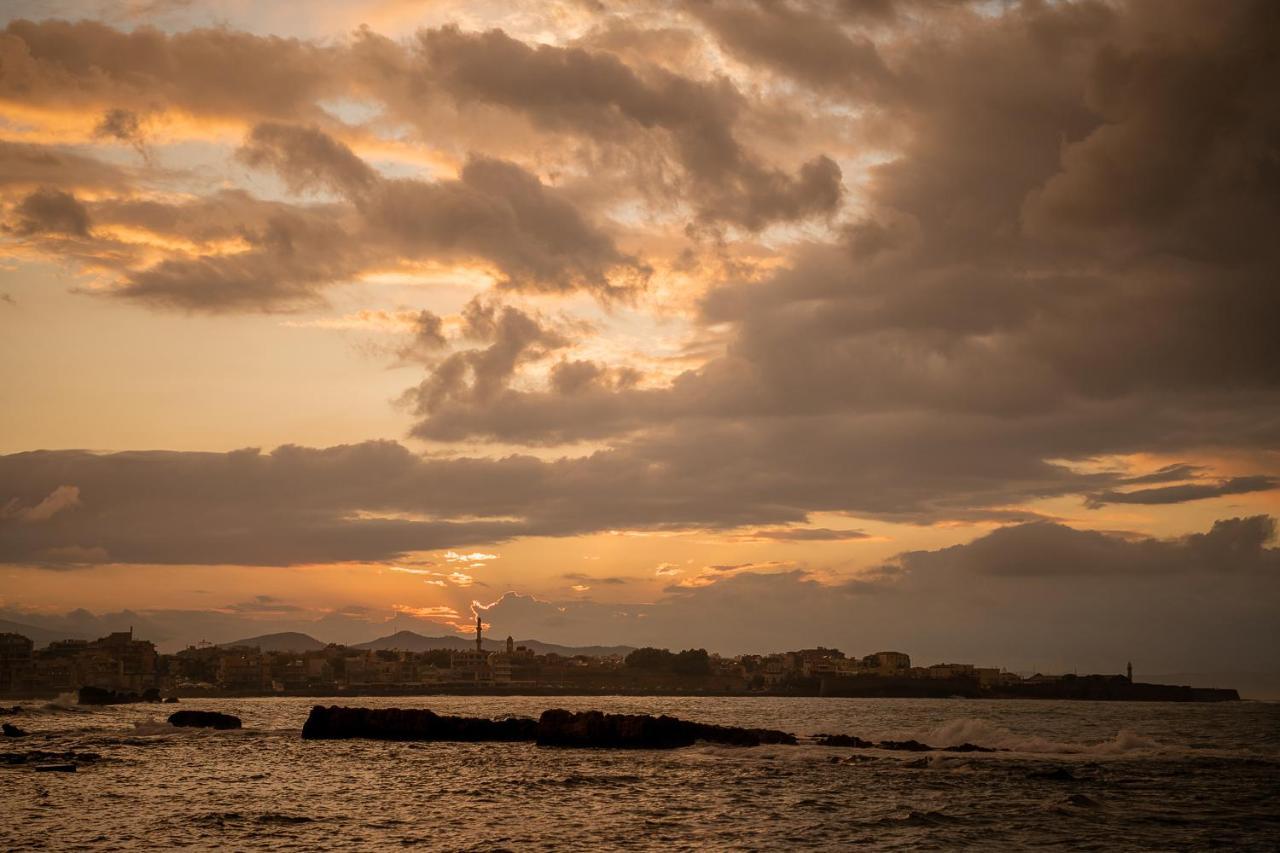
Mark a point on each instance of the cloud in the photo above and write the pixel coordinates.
(60, 499)
(50, 211)
(1049, 549)
(211, 72)
(598, 95)
(807, 534)
(125, 126)
(1185, 492)
(963, 603)
(583, 578)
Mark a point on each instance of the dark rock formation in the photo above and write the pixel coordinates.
(843, 740)
(969, 747)
(641, 731)
(55, 768)
(554, 728)
(16, 709)
(905, 745)
(334, 723)
(12, 731)
(855, 742)
(203, 720)
(170, 700)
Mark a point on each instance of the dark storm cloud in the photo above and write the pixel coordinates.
(806, 43)
(50, 211)
(1048, 549)
(582, 577)
(807, 534)
(292, 256)
(34, 166)
(226, 74)
(374, 501)
(475, 376)
(205, 71)
(307, 158)
(125, 126)
(496, 211)
(964, 332)
(598, 95)
(1186, 492)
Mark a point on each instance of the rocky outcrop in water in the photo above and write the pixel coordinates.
(102, 696)
(854, 742)
(642, 731)
(203, 720)
(554, 728)
(336, 723)
(851, 741)
(37, 756)
(12, 731)
(558, 727)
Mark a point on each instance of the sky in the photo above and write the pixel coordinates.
(948, 327)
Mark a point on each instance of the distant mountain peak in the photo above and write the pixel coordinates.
(284, 641)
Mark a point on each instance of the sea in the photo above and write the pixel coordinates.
(1078, 775)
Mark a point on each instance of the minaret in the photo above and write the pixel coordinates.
(478, 646)
(1129, 671)
(511, 645)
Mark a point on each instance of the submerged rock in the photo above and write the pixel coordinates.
(843, 740)
(336, 723)
(12, 731)
(203, 720)
(170, 700)
(642, 731)
(55, 768)
(1058, 774)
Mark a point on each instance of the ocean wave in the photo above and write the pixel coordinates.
(63, 703)
(986, 733)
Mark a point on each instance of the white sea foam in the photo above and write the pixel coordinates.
(986, 733)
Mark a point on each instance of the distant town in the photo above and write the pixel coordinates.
(407, 663)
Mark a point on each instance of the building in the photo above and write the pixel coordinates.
(17, 669)
(244, 669)
(134, 662)
(886, 664)
(472, 664)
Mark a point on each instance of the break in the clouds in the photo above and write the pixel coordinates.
(988, 282)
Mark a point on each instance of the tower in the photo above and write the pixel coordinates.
(1129, 671)
(511, 645)
(478, 636)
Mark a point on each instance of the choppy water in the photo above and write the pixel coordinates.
(1142, 776)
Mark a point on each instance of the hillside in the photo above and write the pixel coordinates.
(411, 641)
(39, 636)
(287, 641)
